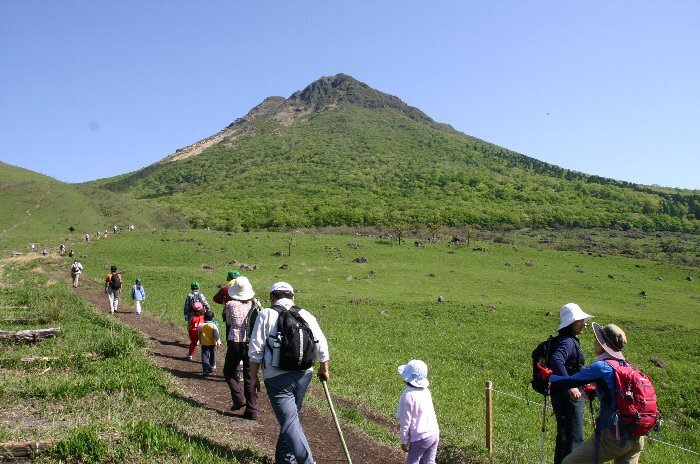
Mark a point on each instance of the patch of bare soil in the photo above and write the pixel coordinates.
(168, 346)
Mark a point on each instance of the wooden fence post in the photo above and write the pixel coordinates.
(489, 417)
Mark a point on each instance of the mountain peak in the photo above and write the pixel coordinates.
(330, 92)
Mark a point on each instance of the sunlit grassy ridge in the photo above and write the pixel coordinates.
(499, 304)
(36, 206)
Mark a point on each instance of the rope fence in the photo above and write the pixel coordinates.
(489, 419)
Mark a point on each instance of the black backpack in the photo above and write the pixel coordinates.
(297, 344)
(115, 281)
(540, 355)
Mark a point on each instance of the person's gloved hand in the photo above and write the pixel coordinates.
(544, 372)
(589, 391)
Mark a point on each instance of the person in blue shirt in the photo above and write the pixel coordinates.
(604, 445)
(567, 358)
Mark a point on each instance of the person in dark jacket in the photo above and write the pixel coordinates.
(567, 358)
(604, 445)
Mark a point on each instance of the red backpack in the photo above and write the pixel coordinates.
(637, 412)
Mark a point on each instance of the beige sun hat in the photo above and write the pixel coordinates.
(241, 289)
(570, 313)
(611, 338)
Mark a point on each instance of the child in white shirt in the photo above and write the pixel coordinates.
(418, 430)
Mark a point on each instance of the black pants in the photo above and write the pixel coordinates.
(235, 352)
(569, 415)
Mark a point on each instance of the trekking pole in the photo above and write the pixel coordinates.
(544, 422)
(335, 419)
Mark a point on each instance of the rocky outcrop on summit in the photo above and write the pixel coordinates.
(325, 94)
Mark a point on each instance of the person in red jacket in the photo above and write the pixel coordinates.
(196, 320)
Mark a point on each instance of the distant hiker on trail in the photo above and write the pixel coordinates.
(87, 237)
(71, 253)
(32, 247)
(62, 248)
(567, 358)
(194, 296)
(222, 296)
(97, 234)
(626, 448)
(75, 270)
(195, 321)
(45, 251)
(209, 341)
(138, 293)
(240, 312)
(418, 427)
(286, 388)
(115, 229)
(113, 288)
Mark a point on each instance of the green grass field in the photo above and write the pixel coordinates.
(499, 303)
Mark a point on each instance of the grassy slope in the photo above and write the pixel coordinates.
(34, 205)
(83, 400)
(363, 166)
(387, 314)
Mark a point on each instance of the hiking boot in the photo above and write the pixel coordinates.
(237, 406)
(188, 357)
(250, 415)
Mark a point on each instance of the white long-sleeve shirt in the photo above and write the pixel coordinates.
(416, 415)
(266, 325)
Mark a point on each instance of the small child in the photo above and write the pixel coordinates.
(138, 293)
(418, 427)
(209, 341)
(195, 320)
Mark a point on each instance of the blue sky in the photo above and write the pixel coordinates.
(96, 88)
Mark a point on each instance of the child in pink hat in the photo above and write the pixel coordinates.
(418, 427)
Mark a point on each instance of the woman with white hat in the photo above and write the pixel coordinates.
(240, 313)
(567, 358)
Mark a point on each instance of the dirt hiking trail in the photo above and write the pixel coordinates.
(167, 348)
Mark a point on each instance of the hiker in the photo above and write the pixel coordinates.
(194, 296)
(567, 358)
(418, 428)
(62, 248)
(209, 341)
(87, 237)
(138, 293)
(45, 251)
(286, 389)
(75, 270)
(240, 312)
(193, 323)
(626, 449)
(222, 296)
(113, 288)
(32, 247)
(71, 253)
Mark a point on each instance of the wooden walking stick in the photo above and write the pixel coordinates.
(335, 420)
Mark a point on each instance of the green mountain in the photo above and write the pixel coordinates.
(33, 204)
(342, 153)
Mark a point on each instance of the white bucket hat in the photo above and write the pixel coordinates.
(241, 289)
(415, 373)
(570, 313)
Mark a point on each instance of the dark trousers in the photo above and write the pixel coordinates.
(208, 358)
(569, 415)
(235, 352)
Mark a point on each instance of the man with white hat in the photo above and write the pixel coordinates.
(567, 358)
(286, 388)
